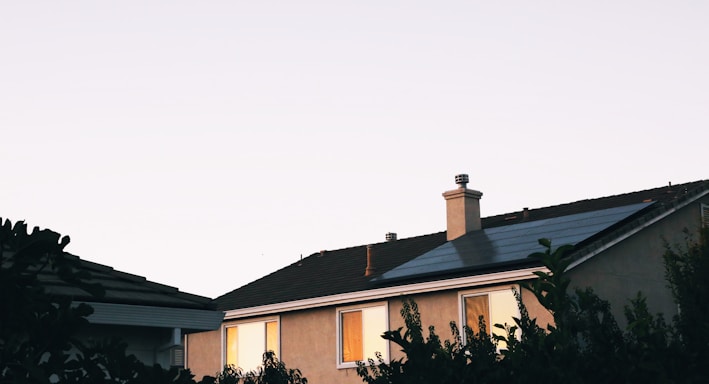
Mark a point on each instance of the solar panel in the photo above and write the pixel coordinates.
(508, 244)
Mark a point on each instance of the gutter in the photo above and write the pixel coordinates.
(150, 316)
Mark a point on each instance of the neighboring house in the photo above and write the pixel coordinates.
(151, 318)
(328, 310)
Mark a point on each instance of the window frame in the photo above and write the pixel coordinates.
(237, 323)
(482, 292)
(338, 336)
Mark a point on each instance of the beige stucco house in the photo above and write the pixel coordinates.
(327, 311)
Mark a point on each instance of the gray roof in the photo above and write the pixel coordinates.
(498, 246)
(404, 260)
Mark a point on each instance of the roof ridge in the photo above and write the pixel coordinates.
(698, 183)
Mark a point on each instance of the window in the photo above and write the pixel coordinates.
(245, 343)
(705, 215)
(359, 334)
(496, 306)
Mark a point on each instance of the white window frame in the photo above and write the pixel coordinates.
(238, 323)
(486, 291)
(338, 326)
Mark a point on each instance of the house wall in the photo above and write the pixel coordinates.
(636, 264)
(436, 308)
(203, 354)
(308, 338)
(148, 344)
(309, 343)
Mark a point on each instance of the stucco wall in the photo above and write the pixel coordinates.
(309, 343)
(437, 309)
(308, 338)
(636, 264)
(203, 353)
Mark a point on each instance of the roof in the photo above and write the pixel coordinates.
(510, 244)
(327, 273)
(133, 300)
(122, 288)
(505, 241)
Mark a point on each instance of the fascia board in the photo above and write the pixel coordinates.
(149, 316)
(383, 293)
(635, 230)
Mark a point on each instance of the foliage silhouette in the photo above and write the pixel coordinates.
(584, 344)
(272, 371)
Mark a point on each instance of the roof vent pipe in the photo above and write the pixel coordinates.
(371, 269)
(390, 236)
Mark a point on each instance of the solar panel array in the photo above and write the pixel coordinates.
(509, 244)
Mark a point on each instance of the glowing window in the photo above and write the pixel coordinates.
(245, 343)
(360, 334)
(497, 306)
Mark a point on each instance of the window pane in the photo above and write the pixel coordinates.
(351, 336)
(251, 344)
(232, 345)
(503, 306)
(374, 322)
(272, 337)
(476, 306)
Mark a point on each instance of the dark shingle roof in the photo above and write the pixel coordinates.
(122, 288)
(327, 273)
(342, 271)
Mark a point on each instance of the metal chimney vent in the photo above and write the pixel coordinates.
(461, 180)
(390, 236)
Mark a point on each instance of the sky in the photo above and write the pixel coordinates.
(206, 144)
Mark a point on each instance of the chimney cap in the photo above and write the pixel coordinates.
(462, 180)
(390, 236)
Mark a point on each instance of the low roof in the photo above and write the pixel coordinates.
(423, 258)
(122, 288)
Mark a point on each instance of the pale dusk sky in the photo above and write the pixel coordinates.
(206, 144)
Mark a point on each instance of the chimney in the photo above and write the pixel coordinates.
(390, 236)
(462, 209)
(371, 269)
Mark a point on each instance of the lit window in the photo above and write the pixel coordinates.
(497, 306)
(360, 334)
(245, 343)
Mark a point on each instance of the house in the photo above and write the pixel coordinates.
(151, 318)
(327, 311)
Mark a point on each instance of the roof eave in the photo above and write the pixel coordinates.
(150, 316)
(581, 257)
(387, 292)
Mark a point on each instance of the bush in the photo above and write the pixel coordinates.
(584, 345)
(272, 371)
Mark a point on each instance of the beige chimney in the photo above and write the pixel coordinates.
(462, 209)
